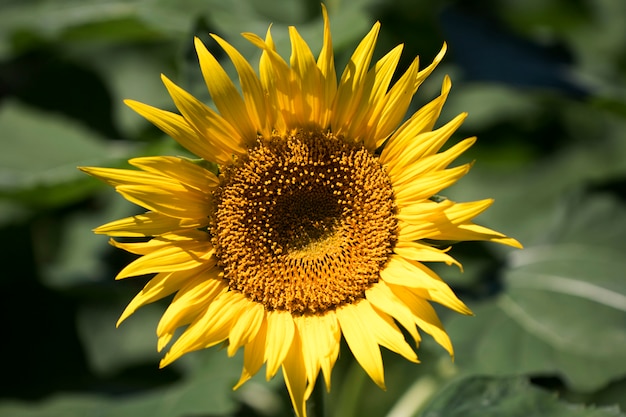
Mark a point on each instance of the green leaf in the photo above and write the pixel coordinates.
(12, 212)
(76, 254)
(563, 307)
(206, 392)
(110, 349)
(60, 405)
(49, 20)
(611, 395)
(528, 196)
(408, 385)
(495, 343)
(40, 154)
(511, 397)
(572, 296)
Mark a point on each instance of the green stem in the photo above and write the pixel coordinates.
(316, 404)
(350, 391)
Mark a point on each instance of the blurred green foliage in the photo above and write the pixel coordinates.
(544, 83)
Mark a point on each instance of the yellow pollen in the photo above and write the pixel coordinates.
(304, 223)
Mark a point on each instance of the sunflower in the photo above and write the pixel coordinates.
(316, 222)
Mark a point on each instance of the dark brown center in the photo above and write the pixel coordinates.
(304, 223)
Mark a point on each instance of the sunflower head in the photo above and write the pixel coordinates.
(318, 223)
(304, 223)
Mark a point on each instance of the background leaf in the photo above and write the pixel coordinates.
(544, 82)
(209, 389)
(41, 154)
(563, 307)
(487, 397)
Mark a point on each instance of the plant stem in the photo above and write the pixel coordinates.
(316, 404)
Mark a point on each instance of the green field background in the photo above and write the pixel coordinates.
(544, 82)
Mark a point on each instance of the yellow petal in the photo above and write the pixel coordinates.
(397, 101)
(375, 87)
(459, 213)
(326, 64)
(180, 169)
(311, 351)
(163, 341)
(278, 78)
(116, 177)
(174, 257)
(411, 274)
(271, 85)
(423, 74)
(423, 219)
(209, 328)
(425, 316)
(392, 109)
(361, 339)
(423, 253)
(246, 327)
(330, 333)
(177, 127)
(195, 296)
(157, 189)
(320, 336)
(280, 333)
(160, 286)
(390, 336)
(475, 232)
(309, 79)
(294, 373)
(423, 145)
(447, 220)
(430, 163)
(174, 201)
(211, 126)
(349, 92)
(421, 121)
(381, 297)
(254, 355)
(225, 95)
(428, 184)
(253, 94)
(147, 224)
(159, 242)
(408, 232)
(140, 248)
(401, 271)
(423, 211)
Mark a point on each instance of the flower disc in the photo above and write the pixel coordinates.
(304, 223)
